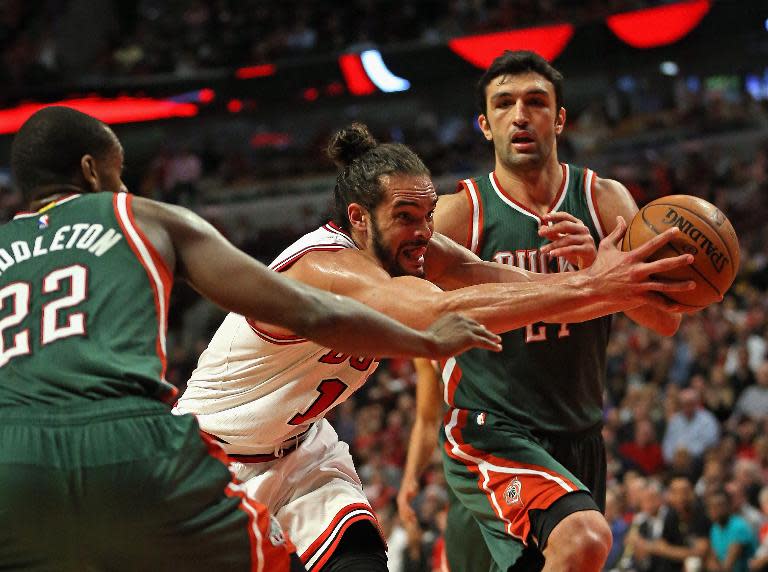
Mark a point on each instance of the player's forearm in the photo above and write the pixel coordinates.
(421, 445)
(346, 325)
(504, 307)
(479, 272)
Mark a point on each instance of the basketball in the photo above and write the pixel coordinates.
(706, 234)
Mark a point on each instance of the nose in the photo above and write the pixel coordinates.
(425, 230)
(520, 117)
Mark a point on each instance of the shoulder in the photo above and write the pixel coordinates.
(337, 271)
(612, 199)
(453, 214)
(171, 217)
(610, 191)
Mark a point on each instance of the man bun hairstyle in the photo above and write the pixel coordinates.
(362, 162)
(516, 63)
(350, 143)
(49, 146)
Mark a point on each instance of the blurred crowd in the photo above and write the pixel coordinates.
(185, 36)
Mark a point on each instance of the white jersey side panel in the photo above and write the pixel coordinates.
(253, 389)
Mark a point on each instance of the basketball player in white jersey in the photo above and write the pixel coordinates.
(262, 391)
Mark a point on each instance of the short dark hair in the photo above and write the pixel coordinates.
(49, 146)
(516, 63)
(363, 161)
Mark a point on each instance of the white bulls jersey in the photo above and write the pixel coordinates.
(254, 390)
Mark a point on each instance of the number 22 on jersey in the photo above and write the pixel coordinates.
(72, 282)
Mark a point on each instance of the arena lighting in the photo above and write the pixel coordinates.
(659, 26)
(251, 72)
(377, 70)
(205, 96)
(669, 68)
(111, 111)
(311, 94)
(271, 139)
(358, 82)
(547, 41)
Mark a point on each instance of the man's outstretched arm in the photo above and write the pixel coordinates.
(236, 282)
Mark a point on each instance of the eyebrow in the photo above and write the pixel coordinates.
(532, 91)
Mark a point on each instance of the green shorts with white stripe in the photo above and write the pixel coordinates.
(121, 484)
(505, 478)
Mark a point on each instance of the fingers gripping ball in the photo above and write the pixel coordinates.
(706, 234)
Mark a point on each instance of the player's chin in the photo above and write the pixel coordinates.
(411, 267)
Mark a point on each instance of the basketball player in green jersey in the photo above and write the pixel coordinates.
(95, 473)
(521, 439)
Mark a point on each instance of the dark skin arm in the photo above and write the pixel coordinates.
(196, 251)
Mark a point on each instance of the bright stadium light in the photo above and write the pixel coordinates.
(380, 75)
(669, 68)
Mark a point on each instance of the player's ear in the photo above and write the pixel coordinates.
(560, 121)
(357, 216)
(88, 171)
(485, 127)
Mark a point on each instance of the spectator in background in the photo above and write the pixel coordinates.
(644, 451)
(738, 367)
(748, 473)
(614, 510)
(685, 530)
(759, 562)
(713, 476)
(693, 428)
(647, 527)
(719, 394)
(732, 542)
(741, 506)
(753, 402)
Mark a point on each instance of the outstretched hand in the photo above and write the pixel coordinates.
(627, 277)
(454, 334)
(570, 238)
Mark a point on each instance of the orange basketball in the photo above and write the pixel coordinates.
(706, 233)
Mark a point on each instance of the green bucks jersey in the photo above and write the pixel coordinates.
(83, 304)
(548, 377)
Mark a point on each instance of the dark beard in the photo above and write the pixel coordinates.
(389, 262)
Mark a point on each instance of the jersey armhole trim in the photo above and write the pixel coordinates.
(157, 271)
(474, 237)
(285, 264)
(589, 191)
(273, 338)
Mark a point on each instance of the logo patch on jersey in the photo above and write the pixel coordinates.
(43, 222)
(276, 536)
(513, 492)
(481, 418)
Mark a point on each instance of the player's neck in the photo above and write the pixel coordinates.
(50, 193)
(534, 188)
